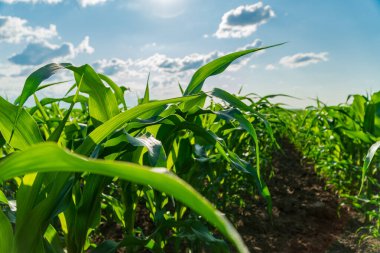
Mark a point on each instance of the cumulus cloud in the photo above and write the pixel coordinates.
(165, 71)
(255, 44)
(84, 47)
(31, 1)
(164, 64)
(158, 63)
(244, 20)
(303, 59)
(39, 53)
(112, 66)
(16, 30)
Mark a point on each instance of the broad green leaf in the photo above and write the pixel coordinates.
(25, 132)
(365, 137)
(3, 198)
(6, 234)
(53, 244)
(235, 102)
(33, 82)
(34, 216)
(102, 102)
(58, 131)
(120, 120)
(119, 93)
(367, 162)
(230, 157)
(157, 156)
(48, 157)
(215, 67)
(247, 126)
(69, 99)
(87, 211)
(358, 106)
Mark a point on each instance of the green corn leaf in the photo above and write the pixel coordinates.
(33, 82)
(41, 87)
(6, 234)
(119, 93)
(117, 122)
(367, 162)
(25, 132)
(238, 163)
(235, 102)
(53, 244)
(215, 67)
(35, 210)
(146, 93)
(58, 131)
(157, 156)
(48, 157)
(102, 102)
(69, 99)
(3, 198)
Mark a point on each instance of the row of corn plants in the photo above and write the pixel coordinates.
(342, 142)
(70, 166)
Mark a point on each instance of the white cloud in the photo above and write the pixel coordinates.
(161, 63)
(270, 67)
(31, 1)
(42, 52)
(244, 20)
(85, 3)
(165, 71)
(112, 66)
(303, 59)
(16, 30)
(255, 44)
(84, 47)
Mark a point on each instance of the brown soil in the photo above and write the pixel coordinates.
(305, 214)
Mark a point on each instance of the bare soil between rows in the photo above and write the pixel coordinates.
(306, 214)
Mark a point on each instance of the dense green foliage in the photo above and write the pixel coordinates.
(336, 139)
(188, 148)
(161, 170)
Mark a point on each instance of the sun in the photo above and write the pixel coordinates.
(167, 8)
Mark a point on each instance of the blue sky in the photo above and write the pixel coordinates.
(332, 46)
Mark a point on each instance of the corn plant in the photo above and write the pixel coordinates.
(65, 170)
(336, 138)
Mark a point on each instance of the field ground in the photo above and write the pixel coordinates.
(306, 217)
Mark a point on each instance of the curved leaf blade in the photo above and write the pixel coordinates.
(367, 162)
(48, 157)
(107, 128)
(33, 81)
(6, 234)
(215, 67)
(24, 130)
